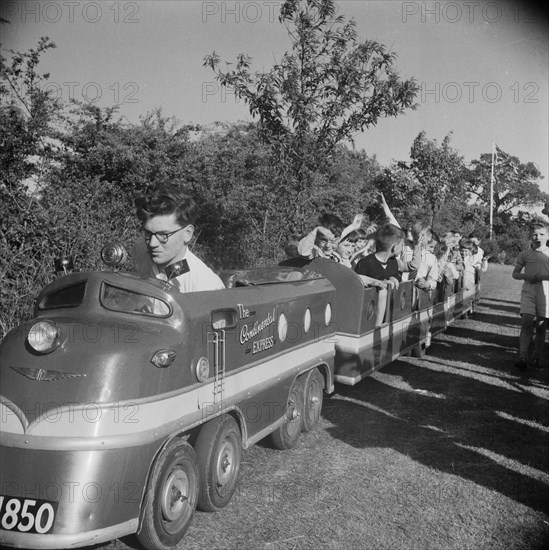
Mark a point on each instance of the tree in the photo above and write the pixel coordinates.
(515, 184)
(28, 114)
(403, 192)
(439, 170)
(348, 187)
(434, 176)
(326, 89)
(133, 156)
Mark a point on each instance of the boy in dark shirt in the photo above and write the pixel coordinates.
(382, 265)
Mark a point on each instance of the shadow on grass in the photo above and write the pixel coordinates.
(483, 353)
(457, 424)
(506, 337)
(501, 305)
(485, 316)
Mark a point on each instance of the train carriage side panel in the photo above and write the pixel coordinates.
(278, 331)
(361, 347)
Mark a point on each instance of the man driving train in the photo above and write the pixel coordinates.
(168, 219)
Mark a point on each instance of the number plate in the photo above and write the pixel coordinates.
(27, 515)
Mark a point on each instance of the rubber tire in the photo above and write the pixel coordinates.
(286, 436)
(219, 439)
(313, 388)
(174, 469)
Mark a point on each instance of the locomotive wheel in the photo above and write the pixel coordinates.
(171, 497)
(218, 451)
(286, 436)
(313, 385)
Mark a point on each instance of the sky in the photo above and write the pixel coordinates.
(482, 66)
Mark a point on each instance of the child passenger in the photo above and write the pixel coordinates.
(415, 240)
(383, 265)
(534, 301)
(466, 248)
(346, 247)
(319, 243)
(427, 273)
(447, 272)
(365, 245)
(452, 240)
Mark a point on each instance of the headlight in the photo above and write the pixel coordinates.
(113, 255)
(42, 336)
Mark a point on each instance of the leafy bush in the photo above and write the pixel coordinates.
(74, 219)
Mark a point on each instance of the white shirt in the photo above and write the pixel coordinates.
(199, 277)
(428, 268)
(476, 259)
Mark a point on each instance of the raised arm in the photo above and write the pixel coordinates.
(387, 211)
(411, 265)
(306, 245)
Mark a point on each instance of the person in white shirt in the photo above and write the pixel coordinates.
(477, 259)
(427, 273)
(168, 217)
(466, 250)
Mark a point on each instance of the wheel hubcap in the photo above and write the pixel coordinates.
(293, 414)
(175, 495)
(225, 463)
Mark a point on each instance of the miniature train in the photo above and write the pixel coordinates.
(126, 404)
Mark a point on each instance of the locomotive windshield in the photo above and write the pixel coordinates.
(69, 296)
(127, 301)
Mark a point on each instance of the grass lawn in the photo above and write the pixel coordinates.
(448, 452)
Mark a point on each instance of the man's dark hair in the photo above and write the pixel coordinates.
(291, 246)
(440, 250)
(388, 235)
(331, 222)
(166, 200)
(467, 244)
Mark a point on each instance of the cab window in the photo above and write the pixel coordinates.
(121, 299)
(69, 296)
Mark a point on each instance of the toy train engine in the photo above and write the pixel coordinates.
(125, 404)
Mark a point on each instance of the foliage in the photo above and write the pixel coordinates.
(439, 170)
(515, 184)
(135, 157)
(228, 171)
(320, 94)
(71, 218)
(434, 176)
(28, 113)
(402, 191)
(349, 186)
(468, 217)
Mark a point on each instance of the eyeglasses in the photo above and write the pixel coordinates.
(162, 237)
